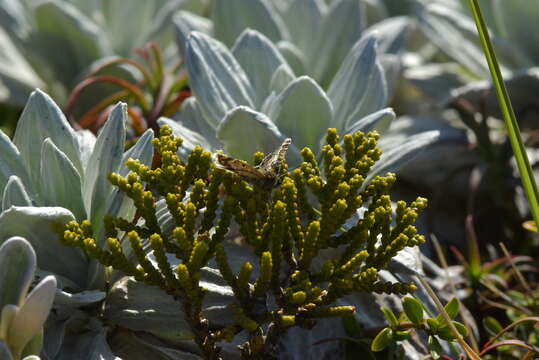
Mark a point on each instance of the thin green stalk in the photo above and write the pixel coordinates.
(524, 168)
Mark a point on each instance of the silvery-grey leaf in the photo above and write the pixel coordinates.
(294, 57)
(392, 34)
(60, 181)
(217, 80)
(79, 299)
(17, 266)
(399, 154)
(190, 137)
(141, 307)
(515, 22)
(88, 345)
(392, 70)
(192, 118)
(280, 80)
(11, 163)
(184, 23)
(66, 38)
(42, 119)
(433, 166)
(29, 320)
(522, 86)
(15, 194)
(359, 87)
(298, 343)
(407, 261)
(303, 19)
(342, 28)
(230, 18)
(244, 132)
(119, 204)
(435, 81)
(259, 58)
(39, 226)
(304, 114)
(5, 352)
(17, 78)
(105, 159)
(87, 141)
(456, 35)
(379, 121)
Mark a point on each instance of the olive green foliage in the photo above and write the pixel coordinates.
(413, 319)
(307, 258)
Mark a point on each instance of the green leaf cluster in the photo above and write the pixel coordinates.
(312, 245)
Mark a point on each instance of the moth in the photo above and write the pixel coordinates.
(266, 175)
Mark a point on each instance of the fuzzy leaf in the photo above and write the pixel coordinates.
(39, 225)
(11, 162)
(32, 314)
(17, 266)
(244, 132)
(341, 29)
(15, 194)
(396, 156)
(379, 121)
(305, 124)
(60, 181)
(67, 39)
(42, 119)
(231, 17)
(216, 78)
(105, 159)
(185, 22)
(259, 58)
(5, 352)
(358, 89)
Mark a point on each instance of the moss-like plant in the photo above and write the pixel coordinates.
(289, 228)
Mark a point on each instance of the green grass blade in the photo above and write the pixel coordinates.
(524, 168)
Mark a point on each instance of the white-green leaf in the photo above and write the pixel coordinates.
(305, 113)
(341, 29)
(280, 79)
(245, 131)
(119, 204)
(42, 119)
(66, 38)
(185, 22)
(32, 314)
(294, 57)
(39, 225)
(397, 155)
(106, 158)
(17, 266)
(15, 194)
(303, 19)
(60, 181)
(190, 137)
(217, 80)
(11, 162)
(191, 117)
(231, 17)
(379, 121)
(359, 87)
(259, 58)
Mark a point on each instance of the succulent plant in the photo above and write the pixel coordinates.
(312, 35)
(22, 314)
(51, 43)
(307, 260)
(50, 175)
(248, 99)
